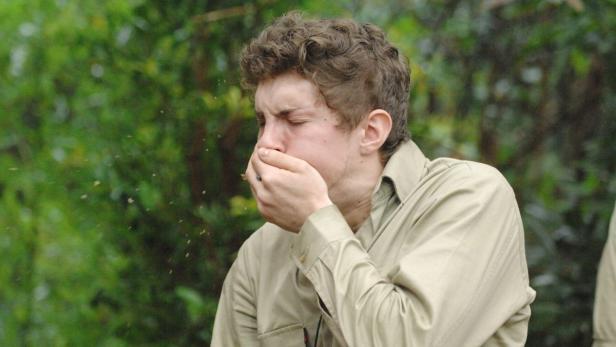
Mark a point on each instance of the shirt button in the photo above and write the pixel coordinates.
(302, 257)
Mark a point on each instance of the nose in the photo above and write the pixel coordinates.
(271, 136)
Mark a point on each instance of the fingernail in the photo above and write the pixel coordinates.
(264, 152)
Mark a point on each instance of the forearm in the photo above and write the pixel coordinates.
(438, 291)
(367, 307)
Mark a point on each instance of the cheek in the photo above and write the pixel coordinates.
(326, 151)
(328, 157)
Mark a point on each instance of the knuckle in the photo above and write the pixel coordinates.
(266, 212)
(265, 181)
(263, 199)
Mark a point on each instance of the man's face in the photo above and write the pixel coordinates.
(294, 119)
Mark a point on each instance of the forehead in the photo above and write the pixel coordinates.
(288, 90)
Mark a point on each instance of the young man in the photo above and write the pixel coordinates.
(605, 296)
(368, 243)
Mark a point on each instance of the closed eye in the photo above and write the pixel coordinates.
(296, 122)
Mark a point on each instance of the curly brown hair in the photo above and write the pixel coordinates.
(354, 66)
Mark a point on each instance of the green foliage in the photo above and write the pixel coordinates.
(123, 134)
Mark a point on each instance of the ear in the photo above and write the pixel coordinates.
(376, 127)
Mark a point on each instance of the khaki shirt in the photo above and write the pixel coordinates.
(604, 316)
(440, 262)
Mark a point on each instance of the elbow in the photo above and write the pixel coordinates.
(397, 316)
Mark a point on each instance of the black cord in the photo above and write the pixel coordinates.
(316, 336)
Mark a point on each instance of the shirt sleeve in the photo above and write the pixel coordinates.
(604, 315)
(236, 322)
(462, 274)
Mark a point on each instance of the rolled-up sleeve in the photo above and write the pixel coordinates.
(462, 272)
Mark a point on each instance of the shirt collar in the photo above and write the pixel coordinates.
(405, 168)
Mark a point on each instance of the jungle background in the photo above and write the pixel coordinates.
(123, 133)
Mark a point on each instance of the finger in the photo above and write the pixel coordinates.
(259, 191)
(262, 170)
(280, 160)
(251, 175)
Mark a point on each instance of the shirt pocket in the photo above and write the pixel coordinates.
(291, 336)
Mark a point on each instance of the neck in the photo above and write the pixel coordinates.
(357, 213)
(355, 199)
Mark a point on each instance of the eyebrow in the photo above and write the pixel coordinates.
(281, 114)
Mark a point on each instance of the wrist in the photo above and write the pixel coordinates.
(322, 203)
